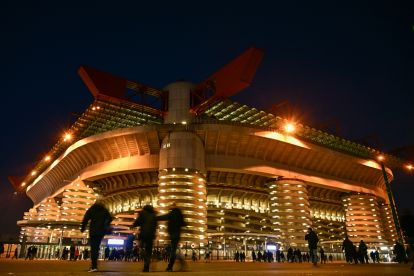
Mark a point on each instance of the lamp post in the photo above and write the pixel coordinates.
(392, 202)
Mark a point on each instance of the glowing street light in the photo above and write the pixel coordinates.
(67, 137)
(289, 127)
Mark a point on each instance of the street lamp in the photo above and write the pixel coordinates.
(289, 127)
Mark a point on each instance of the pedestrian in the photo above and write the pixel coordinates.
(399, 252)
(312, 239)
(410, 253)
(15, 253)
(363, 252)
(72, 253)
(147, 222)
(76, 254)
(175, 223)
(100, 224)
(348, 247)
(106, 253)
(322, 252)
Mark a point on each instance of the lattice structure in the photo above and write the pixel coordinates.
(229, 111)
(101, 116)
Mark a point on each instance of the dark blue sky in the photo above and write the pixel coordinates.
(348, 66)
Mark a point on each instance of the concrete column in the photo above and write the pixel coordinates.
(182, 179)
(388, 225)
(179, 94)
(289, 211)
(363, 218)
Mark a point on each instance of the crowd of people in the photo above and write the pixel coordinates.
(99, 220)
(293, 255)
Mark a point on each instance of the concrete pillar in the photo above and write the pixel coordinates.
(388, 225)
(182, 179)
(179, 94)
(363, 218)
(289, 211)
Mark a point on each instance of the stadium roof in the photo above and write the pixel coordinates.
(121, 103)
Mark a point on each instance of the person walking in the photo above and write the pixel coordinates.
(312, 239)
(100, 223)
(399, 252)
(323, 257)
(363, 252)
(348, 247)
(175, 222)
(147, 222)
(15, 253)
(410, 253)
(1, 248)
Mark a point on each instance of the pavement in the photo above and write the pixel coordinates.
(214, 268)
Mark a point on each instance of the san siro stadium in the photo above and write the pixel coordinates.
(245, 179)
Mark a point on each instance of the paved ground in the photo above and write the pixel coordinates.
(57, 268)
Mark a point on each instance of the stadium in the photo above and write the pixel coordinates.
(246, 179)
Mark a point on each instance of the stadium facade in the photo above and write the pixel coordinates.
(242, 181)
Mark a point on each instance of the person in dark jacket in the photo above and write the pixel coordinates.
(348, 247)
(147, 222)
(175, 222)
(363, 252)
(312, 239)
(100, 223)
(399, 252)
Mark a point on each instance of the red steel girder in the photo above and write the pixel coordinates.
(228, 81)
(105, 86)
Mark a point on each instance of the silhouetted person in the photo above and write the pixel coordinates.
(348, 247)
(312, 239)
(100, 223)
(147, 222)
(399, 252)
(363, 252)
(410, 253)
(175, 222)
(290, 255)
(355, 254)
(106, 255)
(259, 256)
(72, 253)
(15, 254)
(322, 252)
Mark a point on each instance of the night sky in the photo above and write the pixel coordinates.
(346, 68)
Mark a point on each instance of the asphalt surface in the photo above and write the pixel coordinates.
(215, 268)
